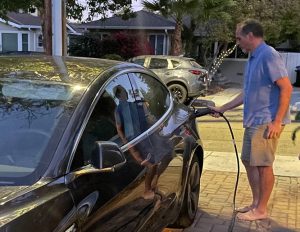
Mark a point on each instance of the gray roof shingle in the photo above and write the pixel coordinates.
(143, 20)
(24, 19)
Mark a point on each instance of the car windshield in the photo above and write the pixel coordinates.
(30, 114)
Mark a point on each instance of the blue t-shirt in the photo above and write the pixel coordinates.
(131, 116)
(261, 94)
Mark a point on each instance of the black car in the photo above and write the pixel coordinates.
(93, 145)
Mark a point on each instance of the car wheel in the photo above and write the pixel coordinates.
(191, 197)
(179, 92)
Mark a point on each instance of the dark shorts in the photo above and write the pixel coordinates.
(257, 149)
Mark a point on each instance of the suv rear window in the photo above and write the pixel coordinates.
(156, 63)
(195, 64)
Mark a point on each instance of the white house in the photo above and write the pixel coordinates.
(23, 32)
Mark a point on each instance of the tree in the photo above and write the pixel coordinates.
(215, 20)
(175, 9)
(74, 10)
(280, 18)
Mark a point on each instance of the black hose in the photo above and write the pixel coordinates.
(204, 111)
(230, 228)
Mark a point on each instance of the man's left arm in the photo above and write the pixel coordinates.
(274, 128)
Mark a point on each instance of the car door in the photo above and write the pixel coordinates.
(165, 147)
(160, 67)
(111, 201)
(175, 72)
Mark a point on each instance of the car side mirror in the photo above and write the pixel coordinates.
(107, 156)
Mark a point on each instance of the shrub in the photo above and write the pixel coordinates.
(124, 44)
(88, 45)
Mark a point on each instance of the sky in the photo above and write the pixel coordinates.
(136, 4)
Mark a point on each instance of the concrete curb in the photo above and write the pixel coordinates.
(284, 165)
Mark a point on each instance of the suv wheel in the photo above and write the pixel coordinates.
(179, 92)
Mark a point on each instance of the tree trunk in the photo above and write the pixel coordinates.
(176, 49)
(46, 19)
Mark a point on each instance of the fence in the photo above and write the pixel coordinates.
(291, 61)
(233, 69)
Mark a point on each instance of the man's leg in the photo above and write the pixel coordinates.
(252, 171)
(266, 183)
(253, 179)
(260, 173)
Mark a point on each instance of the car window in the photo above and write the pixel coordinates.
(153, 93)
(195, 64)
(122, 113)
(175, 63)
(156, 63)
(102, 124)
(139, 61)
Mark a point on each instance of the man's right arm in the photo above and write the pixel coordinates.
(237, 101)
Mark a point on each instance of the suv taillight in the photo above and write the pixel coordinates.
(195, 72)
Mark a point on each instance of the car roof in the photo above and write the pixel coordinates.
(164, 56)
(69, 70)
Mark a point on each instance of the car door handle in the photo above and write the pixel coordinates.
(86, 205)
(83, 212)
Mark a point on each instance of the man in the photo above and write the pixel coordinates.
(266, 96)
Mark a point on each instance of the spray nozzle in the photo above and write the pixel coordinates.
(201, 112)
(201, 108)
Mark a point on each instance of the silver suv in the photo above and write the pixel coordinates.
(183, 76)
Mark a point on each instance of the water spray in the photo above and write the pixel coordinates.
(214, 66)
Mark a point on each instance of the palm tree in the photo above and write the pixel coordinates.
(175, 9)
(215, 19)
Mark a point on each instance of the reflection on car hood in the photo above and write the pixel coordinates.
(53, 68)
(8, 192)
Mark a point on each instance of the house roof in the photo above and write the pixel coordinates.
(143, 20)
(24, 19)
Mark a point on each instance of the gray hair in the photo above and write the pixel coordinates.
(251, 25)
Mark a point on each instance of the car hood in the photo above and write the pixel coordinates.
(9, 192)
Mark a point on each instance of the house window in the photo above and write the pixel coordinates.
(157, 43)
(24, 42)
(40, 40)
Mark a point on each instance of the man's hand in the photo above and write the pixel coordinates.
(274, 130)
(216, 111)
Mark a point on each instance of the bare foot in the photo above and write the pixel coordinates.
(245, 209)
(251, 215)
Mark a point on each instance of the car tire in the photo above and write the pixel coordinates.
(179, 92)
(191, 196)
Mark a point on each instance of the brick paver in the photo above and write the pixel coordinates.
(215, 204)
